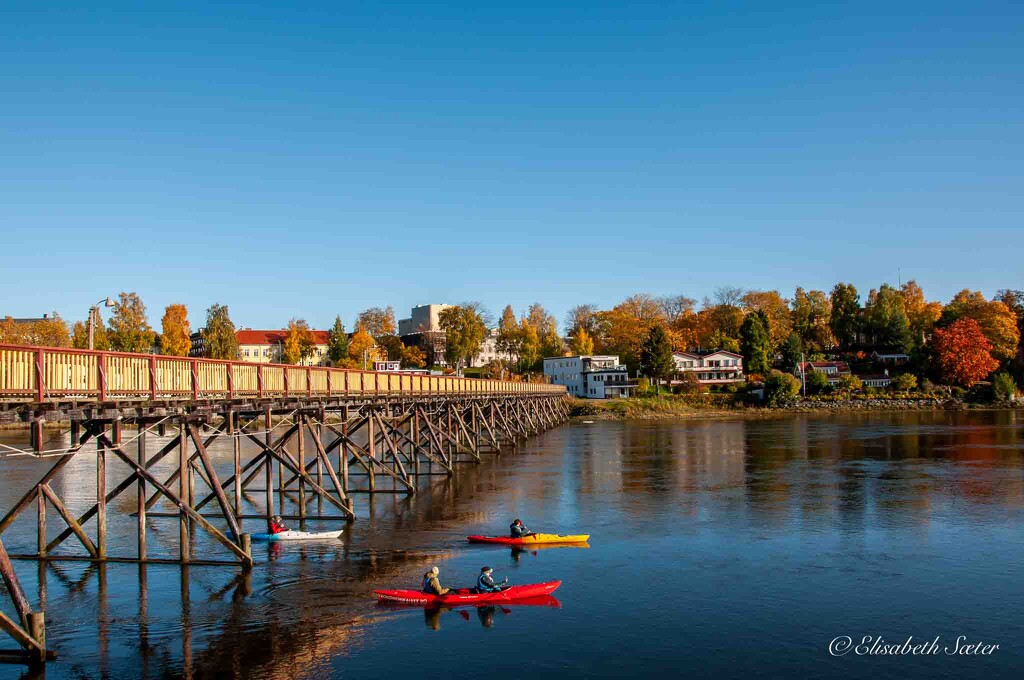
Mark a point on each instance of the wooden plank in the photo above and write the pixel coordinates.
(217, 489)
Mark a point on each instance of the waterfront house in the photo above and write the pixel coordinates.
(590, 376)
(715, 367)
(267, 347)
(876, 380)
(835, 370)
(893, 357)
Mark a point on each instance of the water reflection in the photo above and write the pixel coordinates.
(765, 532)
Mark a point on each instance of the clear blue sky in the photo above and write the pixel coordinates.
(307, 159)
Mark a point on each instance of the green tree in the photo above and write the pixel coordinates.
(393, 346)
(905, 382)
(175, 332)
(337, 343)
(812, 313)
(780, 389)
(80, 335)
(792, 351)
(219, 334)
(849, 383)
(656, 361)
(129, 331)
(1003, 387)
(756, 343)
(464, 330)
(845, 317)
(817, 382)
(886, 319)
(551, 344)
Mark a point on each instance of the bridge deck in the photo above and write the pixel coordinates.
(48, 374)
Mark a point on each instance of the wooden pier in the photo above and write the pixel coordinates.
(311, 433)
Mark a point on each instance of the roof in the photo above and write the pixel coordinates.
(703, 354)
(875, 376)
(840, 366)
(249, 337)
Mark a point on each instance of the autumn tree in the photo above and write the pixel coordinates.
(464, 330)
(378, 321)
(675, 308)
(921, 314)
(50, 331)
(509, 338)
(963, 353)
(623, 328)
(362, 348)
(581, 343)
(756, 343)
(413, 357)
(844, 320)
(812, 313)
(219, 334)
(529, 347)
(80, 335)
(128, 328)
(775, 308)
(580, 316)
(996, 320)
(11, 332)
(656, 361)
(175, 332)
(551, 344)
(299, 342)
(337, 343)
(885, 318)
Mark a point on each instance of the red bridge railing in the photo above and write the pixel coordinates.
(40, 374)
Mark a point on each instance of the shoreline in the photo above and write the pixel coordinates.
(623, 410)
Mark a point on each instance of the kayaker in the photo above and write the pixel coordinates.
(277, 526)
(431, 584)
(519, 530)
(485, 583)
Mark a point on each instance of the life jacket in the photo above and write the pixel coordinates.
(276, 528)
(517, 530)
(485, 584)
(426, 583)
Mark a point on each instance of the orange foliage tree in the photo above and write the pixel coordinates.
(963, 352)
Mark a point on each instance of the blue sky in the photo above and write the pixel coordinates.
(307, 161)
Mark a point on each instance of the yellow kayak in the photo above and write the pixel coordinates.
(535, 539)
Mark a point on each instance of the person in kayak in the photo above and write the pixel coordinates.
(519, 530)
(431, 584)
(485, 583)
(277, 526)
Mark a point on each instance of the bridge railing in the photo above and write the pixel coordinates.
(40, 374)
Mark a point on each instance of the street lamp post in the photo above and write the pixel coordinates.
(94, 312)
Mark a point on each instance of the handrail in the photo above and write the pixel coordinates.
(43, 374)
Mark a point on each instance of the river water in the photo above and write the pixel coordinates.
(724, 547)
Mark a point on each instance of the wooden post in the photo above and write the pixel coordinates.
(41, 524)
(141, 506)
(13, 586)
(344, 446)
(237, 442)
(183, 474)
(246, 540)
(37, 629)
(270, 472)
(372, 448)
(302, 464)
(101, 500)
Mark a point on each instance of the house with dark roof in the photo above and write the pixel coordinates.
(834, 370)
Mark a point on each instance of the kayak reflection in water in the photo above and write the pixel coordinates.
(519, 530)
(485, 582)
(431, 583)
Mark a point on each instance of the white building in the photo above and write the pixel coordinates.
(711, 368)
(267, 347)
(422, 319)
(489, 351)
(593, 377)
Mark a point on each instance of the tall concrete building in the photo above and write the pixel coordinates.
(422, 319)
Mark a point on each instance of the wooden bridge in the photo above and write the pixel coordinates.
(310, 433)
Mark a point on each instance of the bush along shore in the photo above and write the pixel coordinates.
(712, 405)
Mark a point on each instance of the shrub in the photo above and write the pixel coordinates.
(849, 383)
(927, 386)
(817, 382)
(958, 393)
(688, 384)
(1003, 387)
(780, 388)
(904, 382)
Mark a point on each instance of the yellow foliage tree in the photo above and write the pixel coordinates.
(175, 331)
(362, 342)
(298, 342)
(776, 308)
(48, 332)
(921, 314)
(129, 331)
(581, 342)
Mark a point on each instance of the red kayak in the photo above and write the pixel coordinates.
(469, 595)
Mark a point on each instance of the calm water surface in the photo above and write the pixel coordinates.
(719, 548)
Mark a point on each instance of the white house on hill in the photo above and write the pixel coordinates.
(718, 367)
